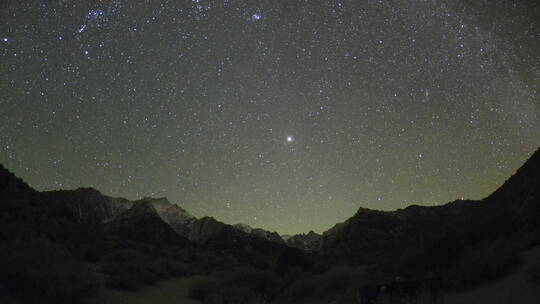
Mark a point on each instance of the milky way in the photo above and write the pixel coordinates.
(286, 115)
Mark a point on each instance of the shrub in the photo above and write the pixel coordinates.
(482, 263)
(534, 274)
(38, 268)
(339, 278)
(204, 289)
(178, 268)
(243, 286)
(130, 269)
(304, 288)
(290, 259)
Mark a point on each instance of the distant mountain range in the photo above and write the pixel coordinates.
(139, 242)
(92, 207)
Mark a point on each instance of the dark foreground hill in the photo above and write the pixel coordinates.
(413, 255)
(442, 239)
(62, 246)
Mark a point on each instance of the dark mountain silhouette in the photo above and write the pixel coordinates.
(269, 235)
(142, 223)
(440, 238)
(246, 247)
(93, 209)
(177, 217)
(64, 245)
(88, 205)
(514, 207)
(309, 242)
(517, 201)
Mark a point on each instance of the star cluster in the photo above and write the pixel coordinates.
(284, 114)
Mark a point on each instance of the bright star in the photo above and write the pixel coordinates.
(82, 28)
(94, 13)
(290, 139)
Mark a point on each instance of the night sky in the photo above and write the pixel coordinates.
(287, 115)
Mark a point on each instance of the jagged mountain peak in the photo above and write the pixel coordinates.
(143, 223)
(179, 211)
(366, 211)
(88, 190)
(312, 233)
(243, 227)
(163, 205)
(308, 242)
(269, 235)
(10, 182)
(139, 209)
(160, 204)
(208, 220)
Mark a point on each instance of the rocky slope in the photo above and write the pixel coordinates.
(92, 208)
(66, 244)
(153, 219)
(444, 236)
(142, 223)
(89, 206)
(309, 242)
(178, 218)
(269, 235)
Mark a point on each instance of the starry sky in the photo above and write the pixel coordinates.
(287, 115)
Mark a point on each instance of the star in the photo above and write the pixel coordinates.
(290, 139)
(81, 29)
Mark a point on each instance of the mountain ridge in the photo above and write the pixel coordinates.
(510, 209)
(93, 206)
(132, 243)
